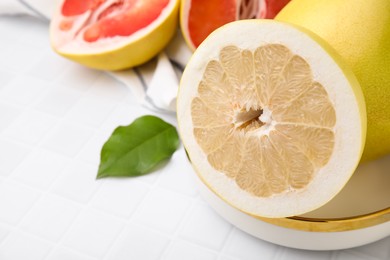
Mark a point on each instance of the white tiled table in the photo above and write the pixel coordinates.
(54, 117)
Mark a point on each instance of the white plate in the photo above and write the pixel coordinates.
(361, 209)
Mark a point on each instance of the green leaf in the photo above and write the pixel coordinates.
(138, 148)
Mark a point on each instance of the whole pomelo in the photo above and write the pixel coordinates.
(359, 30)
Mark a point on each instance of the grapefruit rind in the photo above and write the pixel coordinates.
(328, 68)
(119, 52)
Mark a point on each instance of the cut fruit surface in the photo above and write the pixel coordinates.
(273, 121)
(113, 34)
(199, 18)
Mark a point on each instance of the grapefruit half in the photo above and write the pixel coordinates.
(113, 34)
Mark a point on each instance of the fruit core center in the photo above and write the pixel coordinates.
(248, 120)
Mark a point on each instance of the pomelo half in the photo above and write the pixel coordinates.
(359, 31)
(272, 119)
(199, 18)
(113, 34)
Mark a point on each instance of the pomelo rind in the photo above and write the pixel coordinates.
(362, 38)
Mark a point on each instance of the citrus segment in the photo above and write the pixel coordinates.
(127, 20)
(315, 143)
(312, 107)
(114, 18)
(76, 7)
(201, 9)
(271, 119)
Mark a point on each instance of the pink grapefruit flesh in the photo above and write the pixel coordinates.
(120, 18)
(200, 18)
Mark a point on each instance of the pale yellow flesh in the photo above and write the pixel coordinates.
(262, 120)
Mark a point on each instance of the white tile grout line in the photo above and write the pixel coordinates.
(176, 233)
(194, 202)
(139, 206)
(42, 193)
(127, 222)
(222, 252)
(73, 251)
(40, 197)
(48, 190)
(129, 219)
(152, 187)
(388, 252)
(8, 178)
(334, 255)
(279, 252)
(84, 207)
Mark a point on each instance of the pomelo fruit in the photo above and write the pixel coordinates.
(359, 30)
(199, 18)
(272, 118)
(113, 34)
